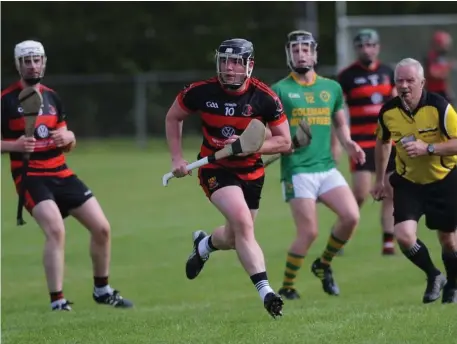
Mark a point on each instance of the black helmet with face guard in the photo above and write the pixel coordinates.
(299, 38)
(234, 62)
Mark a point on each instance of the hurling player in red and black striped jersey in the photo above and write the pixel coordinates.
(367, 84)
(52, 190)
(226, 104)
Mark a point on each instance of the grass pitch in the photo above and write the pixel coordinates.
(380, 299)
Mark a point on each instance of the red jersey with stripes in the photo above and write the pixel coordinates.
(439, 63)
(47, 159)
(366, 90)
(225, 113)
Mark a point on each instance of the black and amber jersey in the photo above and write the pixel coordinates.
(433, 121)
(366, 90)
(225, 113)
(47, 159)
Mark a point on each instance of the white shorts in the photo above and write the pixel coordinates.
(312, 185)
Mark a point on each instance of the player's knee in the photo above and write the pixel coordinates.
(55, 233)
(448, 241)
(101, 231)
(359, 196)
(242, 225)
(350, 219)
(307, 233)
(405, 236)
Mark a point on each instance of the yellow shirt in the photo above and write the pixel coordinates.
(434, 121)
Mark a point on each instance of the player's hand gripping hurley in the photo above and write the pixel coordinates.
(302, 138)
(249, 142)
(31, 101)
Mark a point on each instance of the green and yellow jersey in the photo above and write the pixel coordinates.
(316, 102)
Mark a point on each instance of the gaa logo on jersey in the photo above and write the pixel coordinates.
(325, 96)
(42, 131)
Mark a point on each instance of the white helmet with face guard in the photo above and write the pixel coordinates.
(30, 59)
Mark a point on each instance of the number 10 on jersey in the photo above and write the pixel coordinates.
(229, 111)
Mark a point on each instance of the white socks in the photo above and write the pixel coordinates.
(104, 290)
(203, 247)
(57, 303)
(263, 287)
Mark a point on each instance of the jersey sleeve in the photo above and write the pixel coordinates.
(273, 111)
(61, 112)
(382, 132)
(447, 118)
(276, 89)
(341, 79)
(188, 98)
(339, 98)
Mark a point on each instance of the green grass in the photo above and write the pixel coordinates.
(152, 225)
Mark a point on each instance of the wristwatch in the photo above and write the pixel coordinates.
(430, 149)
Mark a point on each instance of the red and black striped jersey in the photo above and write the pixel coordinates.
(47, 159)
(366, 90)
(441, 63)
(225, 113)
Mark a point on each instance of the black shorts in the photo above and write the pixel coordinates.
(68, 193)
(212, 179)
(437, 201)
(369, 164)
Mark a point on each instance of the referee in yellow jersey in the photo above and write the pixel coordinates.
(424, 127)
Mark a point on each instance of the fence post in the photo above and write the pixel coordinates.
(342, 40)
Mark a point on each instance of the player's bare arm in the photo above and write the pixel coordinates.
(335, 146)
(341, 128)
(173, 128)
(446, 148)
(280, 140)
(344, 136)
(21, 145)
(64, 138)
(382, 153)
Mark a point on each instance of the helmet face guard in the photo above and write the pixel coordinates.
(301, 51)
(30, 60)
(234, 62)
